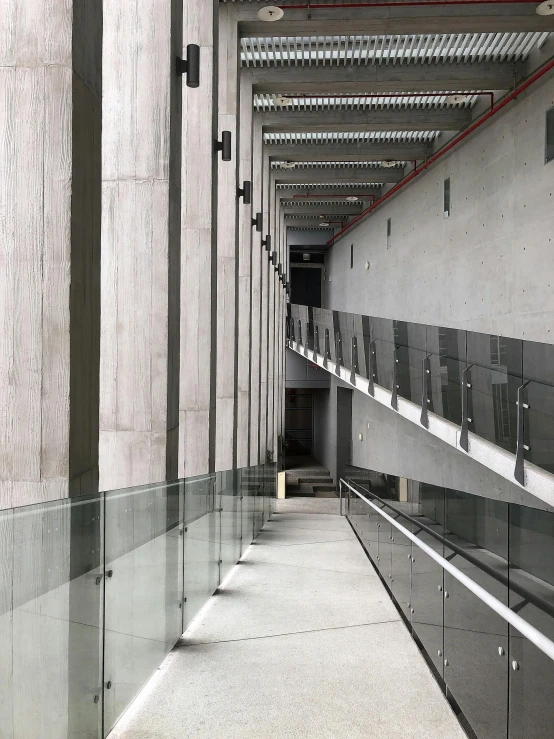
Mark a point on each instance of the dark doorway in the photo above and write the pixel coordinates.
(298, 421)
(305, 286)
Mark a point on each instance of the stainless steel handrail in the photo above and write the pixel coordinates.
(536, 637)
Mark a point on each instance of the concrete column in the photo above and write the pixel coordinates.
(257, 255)
(198, 233)
(264, 310)
(141, 223)
(227, 239)
(244, 275)
(50, 123)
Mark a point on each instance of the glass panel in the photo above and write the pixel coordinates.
(384, 559)
(539, 425)
(231, 520)
(51, 604)
(447, 349)
(531, 568)
(201, 543)
(144, 596)
(410, 341)
(246, 485)
(401, 566)
(427, 576)
(475, 638)
(382, 336)
(364, 520)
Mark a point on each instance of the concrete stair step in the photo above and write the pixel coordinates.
(330, 488)
(317, 480)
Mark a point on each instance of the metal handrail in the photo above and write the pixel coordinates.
(527, 595)
(536, 637)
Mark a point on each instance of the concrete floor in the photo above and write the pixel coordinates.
(302, 640)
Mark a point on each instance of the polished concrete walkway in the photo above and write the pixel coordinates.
(301, 641)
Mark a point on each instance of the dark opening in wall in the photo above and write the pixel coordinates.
(446, 198)
(351, 256)
(389, 232)
(549, 135)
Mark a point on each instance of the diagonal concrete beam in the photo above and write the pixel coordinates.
(321, 175)
(384, 78)
(519, 17)
(362, 152)
(366, 120)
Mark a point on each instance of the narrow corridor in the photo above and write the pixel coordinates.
(301, 640)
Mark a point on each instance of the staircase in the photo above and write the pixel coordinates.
(314, 483)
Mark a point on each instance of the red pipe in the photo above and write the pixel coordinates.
(408, 3)
(450, 145)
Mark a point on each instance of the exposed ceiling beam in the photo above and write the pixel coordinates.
(320, 175)
(392, 119)
(327, 210)
(384, 78)
(365, 151)
(395, 21)
(316, 193)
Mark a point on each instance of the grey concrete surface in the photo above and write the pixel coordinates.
(308, 645)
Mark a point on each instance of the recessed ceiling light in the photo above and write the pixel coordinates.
(546, 8)
(324, 223)
(388, 163)
(288, 165)
(281, 100)
(270, 13)
(457, 99)
(352, 198)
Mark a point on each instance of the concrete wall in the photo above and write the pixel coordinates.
(302, 374)
(489, 266)
(50, 123)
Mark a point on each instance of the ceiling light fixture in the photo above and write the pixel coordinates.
(546, 8)
(388, 163)
(270, 13)
(324, 223)
(352, 198)
(288, 165)
(457, 99)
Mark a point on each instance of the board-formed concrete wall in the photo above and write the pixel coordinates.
(488, 267)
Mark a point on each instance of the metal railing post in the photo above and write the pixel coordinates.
(394, 398)
(466, 385)
(522, 447)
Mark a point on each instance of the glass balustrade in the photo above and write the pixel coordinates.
(95, 591)
(498, 679)
(498, 388)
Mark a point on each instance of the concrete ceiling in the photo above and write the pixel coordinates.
(373, 85)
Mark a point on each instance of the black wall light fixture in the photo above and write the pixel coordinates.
(224, 146)
(190, 66)
(258, 222)
(274, 259)
(267, 243)
(245, 192)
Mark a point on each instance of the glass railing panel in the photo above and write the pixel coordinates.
(427, 599)
(382, 338)
(246, 481)
(401, 566)
(475, 637)
(531, 551)
(51, 606)
(201, 543)
(258, 493)
(364, 521)
(144, 592)
(539, 425)
(230, 507)
(492, 406)
(384, 560)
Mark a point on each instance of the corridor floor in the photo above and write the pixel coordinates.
(302, 640)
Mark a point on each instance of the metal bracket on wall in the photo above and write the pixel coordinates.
(292, 337)
(522, 447)
(372, 368)
(394, 397)
(338, 351)
(466, 387)
(300, 332)
(355, 366)
(426, 392)
(327, 353)
(317, 340)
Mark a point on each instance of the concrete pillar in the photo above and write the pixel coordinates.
(244, 275)
(227, 239)
(257, 263)
(264, 310)
(198, 233)
(50, 123)
(141, 224)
